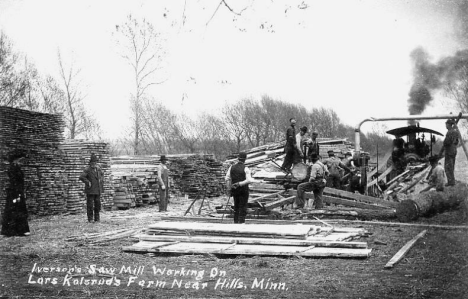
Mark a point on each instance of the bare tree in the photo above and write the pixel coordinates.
(13, 83)
(78, 121)
(142, 50)
(233, 119)
(457, 90)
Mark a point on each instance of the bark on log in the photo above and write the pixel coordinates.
(432, 202)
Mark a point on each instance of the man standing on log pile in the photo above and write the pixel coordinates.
(93, 177)
(334, 165)
(301, 139)
(437, 178)
(313, 146)
(316, 184)
(163, 182)
(238, 179)
(290, 148)
(450, 150)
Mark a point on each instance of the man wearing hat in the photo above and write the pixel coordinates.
(93, 177)
(313, 146)
(316, 184)
(437, 178)
(290, 147)
(163, 180)
(450, 150)
(334, 165)
(238, 178)
(15, 213)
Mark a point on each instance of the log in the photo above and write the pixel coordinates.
(432, 202)
(401, 253)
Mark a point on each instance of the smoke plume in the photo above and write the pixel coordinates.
(431, 77)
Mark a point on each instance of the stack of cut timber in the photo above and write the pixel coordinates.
(76, 155)
(189, 173)
(251, 239)
(37, 134)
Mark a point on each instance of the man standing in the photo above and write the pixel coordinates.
(313, 145)
(163, 182)
(93, 178)
(316, 184)
(301, 137)
(450, 150)
(437, 177)
(238, 179)
(334, 165)
(290, 147)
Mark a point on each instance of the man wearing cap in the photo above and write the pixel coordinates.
(238, 178)
(313, 145)
(437, 178)
(316, 184)
(450, 150)
(334, 165)
(163, 182)
(290, 147)
(93, 177)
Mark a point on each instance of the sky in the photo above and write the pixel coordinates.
(349, 55)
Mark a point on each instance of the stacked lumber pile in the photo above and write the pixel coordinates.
(257, 239)
(53, 165)
(37, 134)
(189, 174)
(75, 155)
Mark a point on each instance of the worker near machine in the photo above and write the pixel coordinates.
(93, 177)
(316, 183)
(334, 165)
(398, 157)
(238, 178)
(290, 148)
(301, 139)
(450, 150)
(313, 146)
(437, 177)
(163, 182)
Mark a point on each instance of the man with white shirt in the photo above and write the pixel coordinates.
(238, 178)
(163, 180)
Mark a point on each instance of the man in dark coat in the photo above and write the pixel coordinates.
(238, 178)
(163, 180)
(314, 147)
(450, 150)
(15, 215)
(93, 177)
(290, 147)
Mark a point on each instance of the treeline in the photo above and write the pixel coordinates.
(237, 126)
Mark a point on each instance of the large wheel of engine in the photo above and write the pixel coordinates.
(411, 157)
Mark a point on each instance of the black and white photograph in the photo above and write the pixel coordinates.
(233, 149)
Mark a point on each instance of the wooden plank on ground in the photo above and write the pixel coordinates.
(278, 203)
(341, 201)
(257, 241)
(401, 253)
(271, 250)
(360, 197)
(267, 196)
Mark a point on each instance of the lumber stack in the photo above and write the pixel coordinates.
(76, 155)
(256, 239)
(53, 165)
(37, 134)
(189, 174)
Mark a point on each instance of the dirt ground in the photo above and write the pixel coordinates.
(436, 267)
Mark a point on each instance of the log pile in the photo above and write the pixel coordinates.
(258, 239)
(189, 174)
